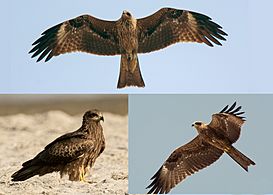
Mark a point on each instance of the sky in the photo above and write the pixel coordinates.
(158, 124)
(241, 65)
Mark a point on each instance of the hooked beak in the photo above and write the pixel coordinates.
(192, 125)
(101, 118)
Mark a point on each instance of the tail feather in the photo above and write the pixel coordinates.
(25, 173)
(240, 158)
(130, 74)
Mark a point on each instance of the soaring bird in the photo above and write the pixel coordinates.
(212, 141)
(127, 37)
(73, 153)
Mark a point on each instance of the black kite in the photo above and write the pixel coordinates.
(212, 141)
(127, 37)
(73, 153)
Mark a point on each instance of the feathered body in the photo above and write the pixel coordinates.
(130, 74)
(127, 37)
(72, 154)
(212, 141)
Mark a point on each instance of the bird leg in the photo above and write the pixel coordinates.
(82, 178)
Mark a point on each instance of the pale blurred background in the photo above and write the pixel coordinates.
(71, 104)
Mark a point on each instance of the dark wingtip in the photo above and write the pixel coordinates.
(14, 179)
(38, 60)
(233, 110)
(208, 43)
(223, 39)
(224, 33)
(224, 109)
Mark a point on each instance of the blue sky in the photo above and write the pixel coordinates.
(241, 65)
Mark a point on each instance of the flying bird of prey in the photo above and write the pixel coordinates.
(127, 37)
(212, 141)
(73, 153)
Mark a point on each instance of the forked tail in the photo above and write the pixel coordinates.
(130, 74)
(240, 158)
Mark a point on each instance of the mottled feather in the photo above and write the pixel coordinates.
(84, 33)
(228, 122)
(183, 162)
(168, 26)
(127, 37)
(73, 153)
(212, 141)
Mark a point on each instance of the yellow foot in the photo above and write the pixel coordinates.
(82, 178)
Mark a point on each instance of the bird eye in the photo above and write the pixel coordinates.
(128, 14)
(92, 115)
(198, 123)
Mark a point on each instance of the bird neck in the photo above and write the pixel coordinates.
(129, 22)
(90, 126)
(201, 128)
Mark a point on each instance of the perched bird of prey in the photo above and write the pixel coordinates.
(127, 37)
(212, 141)
(73, 153)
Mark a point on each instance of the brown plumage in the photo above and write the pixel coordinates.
(73, 153)
(212, 141)
(127, 37)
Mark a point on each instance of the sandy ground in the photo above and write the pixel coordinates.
(22, 136)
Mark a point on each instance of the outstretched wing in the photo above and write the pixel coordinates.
(84, 33)
(228, 122)
(183, 162)
(168, 26)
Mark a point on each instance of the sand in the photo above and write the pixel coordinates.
(22, 136)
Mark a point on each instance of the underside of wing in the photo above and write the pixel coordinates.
(228, 122)
(84, 34)
(183, 162)
(168, 26)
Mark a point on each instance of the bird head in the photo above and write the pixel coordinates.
(93, 115)
(126, 14)
(198, 124)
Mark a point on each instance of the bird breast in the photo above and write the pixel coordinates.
(127, 32)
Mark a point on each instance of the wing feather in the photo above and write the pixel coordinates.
(168, 26)
(84, 33)
(183, 162)
(64, 149)
(228, 122)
